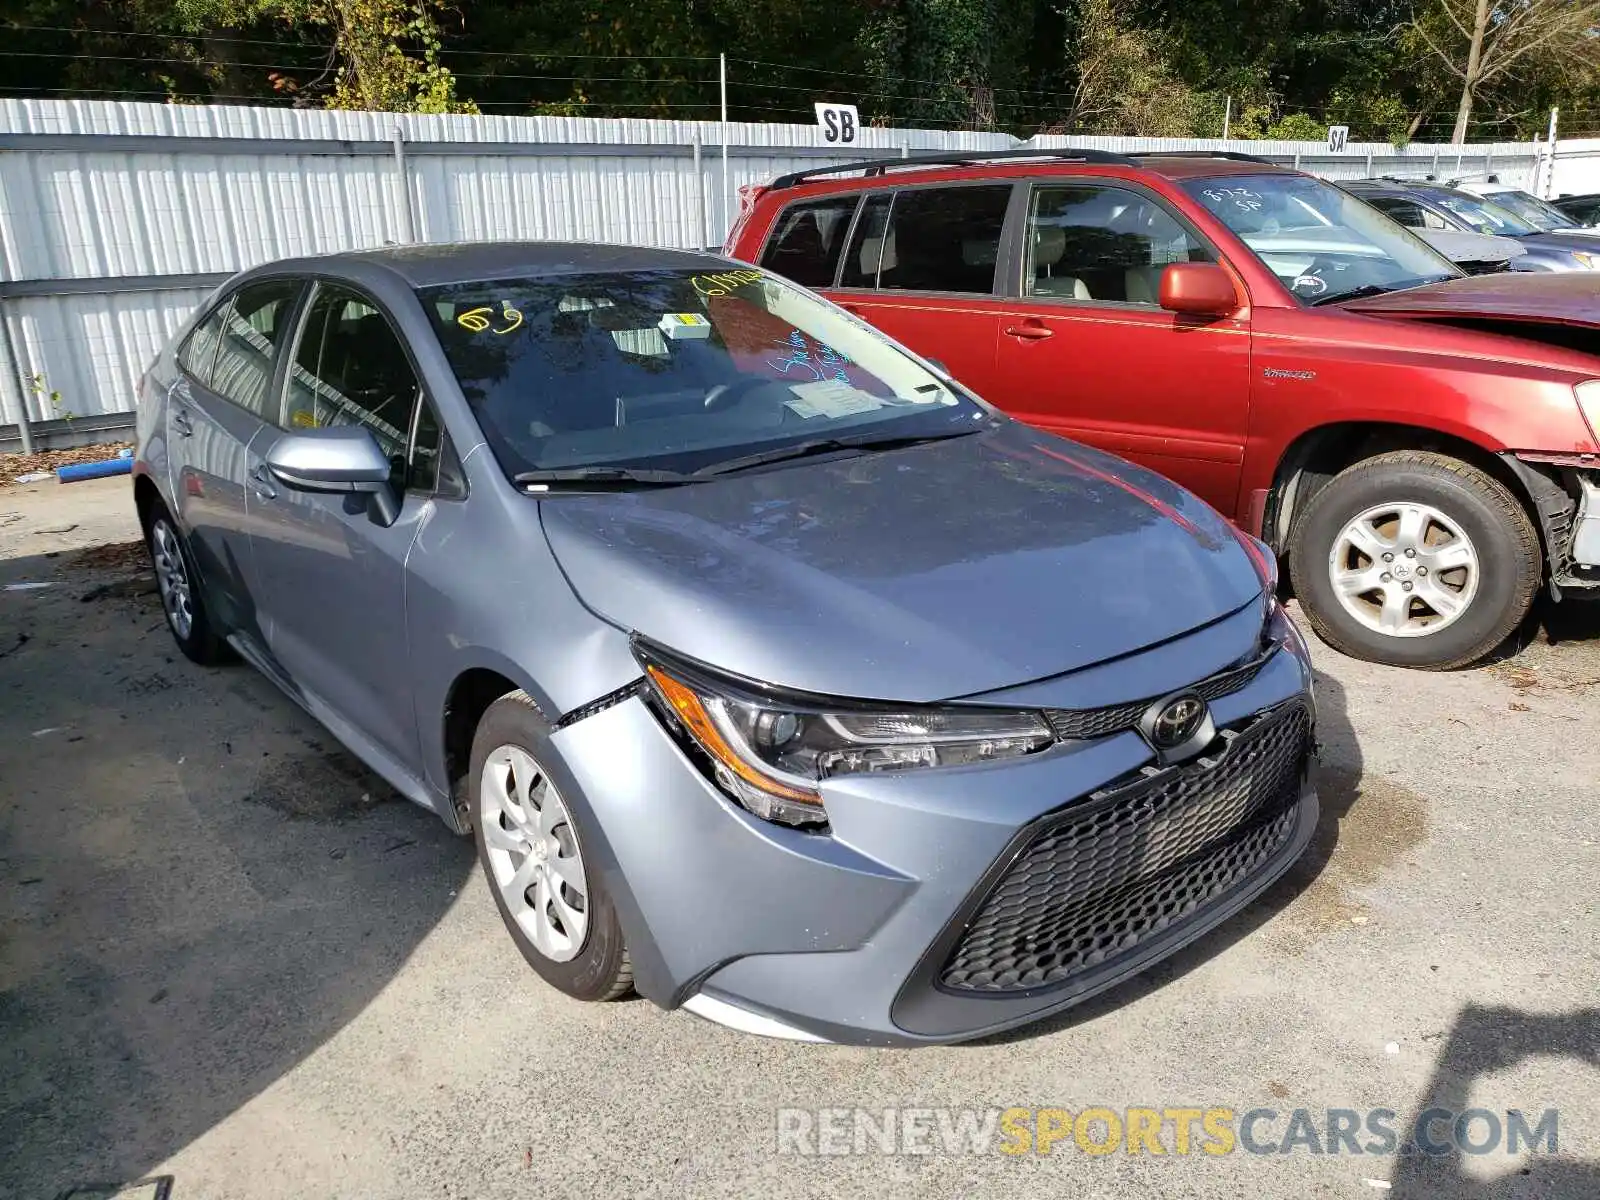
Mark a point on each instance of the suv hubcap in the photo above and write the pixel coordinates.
(172, 578)
(1404, 570)
(533, 854)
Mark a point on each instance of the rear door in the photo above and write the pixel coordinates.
(919, 263)
(214, 415)
(1085, 349)
(332, 574)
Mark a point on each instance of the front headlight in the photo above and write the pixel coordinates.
(1588, 261)
(771, 754)
(1588, 395)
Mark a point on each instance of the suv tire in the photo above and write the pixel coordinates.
(1383, 523)
(536, 859)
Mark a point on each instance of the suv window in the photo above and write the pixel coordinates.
(198, 353)
(939, 240)
(807, 240)
(866, 245)
(350, 368)
(252, 327)
(1089, 242)
(1408, 212)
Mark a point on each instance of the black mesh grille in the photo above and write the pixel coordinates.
(1086, 723)
(1125, 865)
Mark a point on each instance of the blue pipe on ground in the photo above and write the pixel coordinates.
(95, 470)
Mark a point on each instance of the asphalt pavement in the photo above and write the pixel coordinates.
(229, 955)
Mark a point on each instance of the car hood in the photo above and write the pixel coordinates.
(1459, 246)
(1568, 298)
(941, 570)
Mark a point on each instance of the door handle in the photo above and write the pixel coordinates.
(261, 483)
(1031, 332)
(182, 422)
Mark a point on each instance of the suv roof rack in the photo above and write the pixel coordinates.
(877, 166)
(1231, 155)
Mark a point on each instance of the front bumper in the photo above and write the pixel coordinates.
(845, 936)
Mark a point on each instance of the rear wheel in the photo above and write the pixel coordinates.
(548, 892)
(181, 597)
(1415, 559)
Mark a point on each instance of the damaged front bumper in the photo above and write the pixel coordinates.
(1565, 489)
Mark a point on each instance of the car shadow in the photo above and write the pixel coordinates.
(199, 887)
(1481, 1042)
(1339, 790)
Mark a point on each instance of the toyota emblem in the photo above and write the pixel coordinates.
(1177, 726)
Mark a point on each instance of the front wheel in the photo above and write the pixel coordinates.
(1415, 559)
(548, 890)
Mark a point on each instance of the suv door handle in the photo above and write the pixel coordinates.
(1032, 331)
(261, 483)
(182, 422)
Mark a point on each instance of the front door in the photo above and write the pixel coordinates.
(214, 415)
(922, 265)
(332, 573)
(1087, 351)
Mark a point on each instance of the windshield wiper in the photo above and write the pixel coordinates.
(559, 476)
(826, 445)
(1366, 289)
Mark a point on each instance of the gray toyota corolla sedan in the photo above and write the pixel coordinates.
(776, 676)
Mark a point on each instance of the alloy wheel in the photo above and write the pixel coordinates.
(533, 854)
(1404, 569)
(172, 578)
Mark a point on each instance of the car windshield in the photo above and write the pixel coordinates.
(678, 371)
(1534, 211)
(1322, 242)
(1484, 217)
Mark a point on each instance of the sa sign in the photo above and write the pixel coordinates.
(839, 122)
(1338, 135)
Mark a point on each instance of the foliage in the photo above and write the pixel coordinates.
(1396, 70)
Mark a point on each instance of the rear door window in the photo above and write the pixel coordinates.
(808, 240)
(860, 267)
(943, 239)
(198, 354)
(252, 330)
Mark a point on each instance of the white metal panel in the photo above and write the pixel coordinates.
(92, 349)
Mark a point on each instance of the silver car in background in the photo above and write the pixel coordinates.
(775, 676)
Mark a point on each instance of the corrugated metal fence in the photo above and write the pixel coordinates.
(116, 219)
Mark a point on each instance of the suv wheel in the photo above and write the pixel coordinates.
(181, 597)
(1415, 559)
(548, 892)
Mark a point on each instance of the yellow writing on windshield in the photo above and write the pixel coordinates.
(479, 319)
(722, 284)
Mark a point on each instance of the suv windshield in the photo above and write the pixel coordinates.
(1322, 242)
(1534, 211)
(678, 371)
(1483, 217)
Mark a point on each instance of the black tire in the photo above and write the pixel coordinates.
(1510, 563)
(601, 969)
(201, 643)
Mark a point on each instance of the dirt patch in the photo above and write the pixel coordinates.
(329, 786)
(117, 556)
(13, 465)
(1526, 681)
(1369, 825)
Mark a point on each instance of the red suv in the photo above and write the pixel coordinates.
(1421, 445)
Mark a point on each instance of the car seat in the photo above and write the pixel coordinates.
(1049, 244)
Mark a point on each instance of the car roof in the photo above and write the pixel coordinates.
(434, 263)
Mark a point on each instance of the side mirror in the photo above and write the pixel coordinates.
(1198, 290)
(339, 458)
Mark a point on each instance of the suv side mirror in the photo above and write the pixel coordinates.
(1198, 289)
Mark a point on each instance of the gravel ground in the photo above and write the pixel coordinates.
(228, 954)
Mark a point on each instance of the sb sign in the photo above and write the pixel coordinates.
(839, 122)
(1338, 135)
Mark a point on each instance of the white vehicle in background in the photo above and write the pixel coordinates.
(1541, 214)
